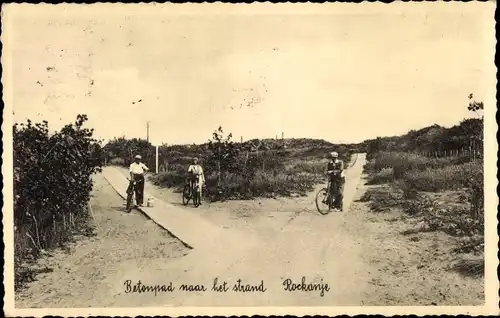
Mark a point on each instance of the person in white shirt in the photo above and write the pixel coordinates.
(137, 172)
(195, 170)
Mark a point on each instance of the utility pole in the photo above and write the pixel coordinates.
(157, 159)
(147, 131)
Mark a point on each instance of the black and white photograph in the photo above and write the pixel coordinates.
(241, 159)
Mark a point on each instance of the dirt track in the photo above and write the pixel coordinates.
(361, 256)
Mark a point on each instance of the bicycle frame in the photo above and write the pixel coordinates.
(332, 188)
(130, 195)
(194, 180)
(131, 187)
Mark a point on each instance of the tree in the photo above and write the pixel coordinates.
(475, 127)
(222, 153)
(475, 106)
(373, 146)
(128, 148)
(52, 180)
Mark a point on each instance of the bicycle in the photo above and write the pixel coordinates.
(325, 197)
(192, 191)
(130, 195)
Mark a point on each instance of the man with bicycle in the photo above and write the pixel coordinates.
(335, 171)
(196, 171)
(137, 172)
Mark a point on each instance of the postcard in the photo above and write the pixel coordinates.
(241, 159)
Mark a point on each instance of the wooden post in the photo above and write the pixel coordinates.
(245, 165)
(474, 150)
(470, 148)
(218, 166)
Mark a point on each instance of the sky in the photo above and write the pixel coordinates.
(339, 72)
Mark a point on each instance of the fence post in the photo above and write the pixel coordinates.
(474, 150)
(470, 148)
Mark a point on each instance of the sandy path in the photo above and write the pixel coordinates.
(81, 278)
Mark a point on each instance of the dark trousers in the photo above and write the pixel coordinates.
(337, 188)
(139, 188)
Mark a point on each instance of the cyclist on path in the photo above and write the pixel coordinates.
(137, 171)
(196, 170)
(335, 171)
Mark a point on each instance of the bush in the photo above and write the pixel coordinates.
(402, 162)
(451, 177)
(123, 150)
(280, 184)
(419, 205)
(312, 167)
(383, 176)
(168, 179)
(456, 221)
(52, 184)
(382, 199)
(239, 186)
(262, 184)
(117, 161)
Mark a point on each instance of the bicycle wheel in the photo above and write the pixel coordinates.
(186, 195)
(130, 199)
(196, 198)
(322, 201)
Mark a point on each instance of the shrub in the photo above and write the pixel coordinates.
(383, 176)
(124, 151)
(419, 205)
(117, 161)
(381, 199)
(311, 167)
(402, 162)
(456, 221)
(168, 179)
(451, 177)
(52, 184)
(281, 183)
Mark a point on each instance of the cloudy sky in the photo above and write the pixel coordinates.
(338, 72)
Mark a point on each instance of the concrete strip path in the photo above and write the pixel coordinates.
(184, 224)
